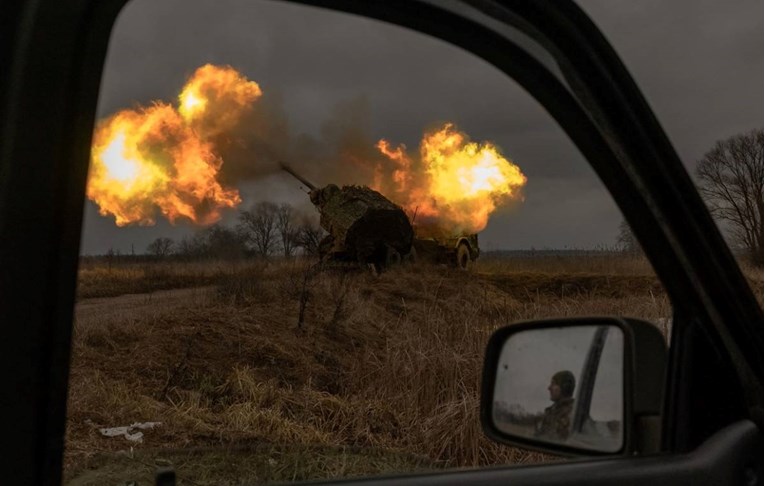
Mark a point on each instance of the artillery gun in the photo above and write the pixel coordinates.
(366, 227)
(363, 226)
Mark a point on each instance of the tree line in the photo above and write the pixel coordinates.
(266, 229)
(730, 179)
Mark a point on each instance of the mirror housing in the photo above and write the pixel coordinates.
(643, 353)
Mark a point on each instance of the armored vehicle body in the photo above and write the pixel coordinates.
(366, 227)
(362, 225)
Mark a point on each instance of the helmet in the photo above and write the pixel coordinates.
(566, 381)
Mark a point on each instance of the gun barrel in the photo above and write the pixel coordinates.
(294, 174)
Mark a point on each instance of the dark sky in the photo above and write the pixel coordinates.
(699, 64)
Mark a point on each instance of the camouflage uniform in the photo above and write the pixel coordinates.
(555, 423)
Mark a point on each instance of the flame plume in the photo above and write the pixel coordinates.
(453, 186)
(167, 159)
(163, 158)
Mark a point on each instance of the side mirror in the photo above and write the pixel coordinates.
(584, 386)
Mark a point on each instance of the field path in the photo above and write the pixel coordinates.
(136, 306)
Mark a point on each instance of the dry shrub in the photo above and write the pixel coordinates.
(550, 262)
(430, 366)
(456, 424)
(141, 277)
(245, 286)
(389, 364)
(431, 363)
(253, 409)
(754, 275)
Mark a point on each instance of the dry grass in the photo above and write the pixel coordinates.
(754, 274)
(594, 262)
(382, 376)
(106, 279)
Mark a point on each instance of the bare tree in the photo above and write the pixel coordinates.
(731, 181)
(259, 225)
(161, 247)
(216, 241)
(308, 237)
(111, 255)
(193, 247)
(188, 247)
(285, 225)
(223, 242)
(626, 240)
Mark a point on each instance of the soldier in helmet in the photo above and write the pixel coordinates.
(555, 422)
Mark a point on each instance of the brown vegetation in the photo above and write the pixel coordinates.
(382, 377)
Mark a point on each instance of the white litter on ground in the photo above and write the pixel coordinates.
(131, 432)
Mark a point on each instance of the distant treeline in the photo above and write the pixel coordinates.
(267, 229)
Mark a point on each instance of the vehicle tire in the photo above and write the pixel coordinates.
(392, 257)
(411, 257)
(463, 257)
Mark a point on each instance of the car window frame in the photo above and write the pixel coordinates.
(703, 281)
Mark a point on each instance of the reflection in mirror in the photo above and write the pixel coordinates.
(562, 385)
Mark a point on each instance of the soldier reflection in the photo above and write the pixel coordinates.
(555, 422)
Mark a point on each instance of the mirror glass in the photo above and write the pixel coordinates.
(562, 386)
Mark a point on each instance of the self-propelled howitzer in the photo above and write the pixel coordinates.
(363, 226)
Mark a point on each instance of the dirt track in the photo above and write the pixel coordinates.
(135, 306)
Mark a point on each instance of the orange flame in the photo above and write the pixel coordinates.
(455, 185)
(162, 158)
(213, 100)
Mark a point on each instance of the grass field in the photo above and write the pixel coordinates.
(381, 374)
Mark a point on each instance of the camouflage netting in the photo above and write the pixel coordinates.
(363, 225)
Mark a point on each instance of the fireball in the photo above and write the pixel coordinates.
(455, 184)
(163, 159)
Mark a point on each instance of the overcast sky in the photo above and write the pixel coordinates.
(699, 64)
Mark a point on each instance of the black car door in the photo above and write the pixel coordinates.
(52, 53)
